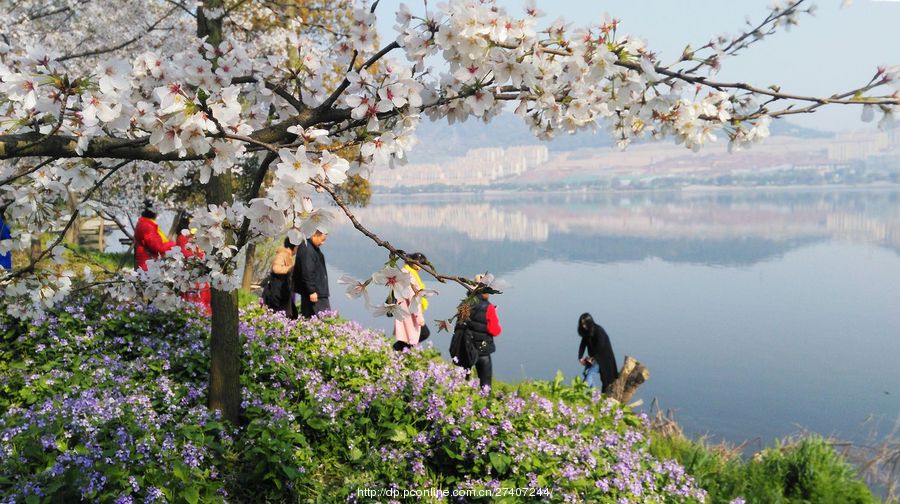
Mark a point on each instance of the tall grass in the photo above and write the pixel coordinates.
(804, 469)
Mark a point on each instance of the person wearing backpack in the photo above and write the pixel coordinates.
(484, 326)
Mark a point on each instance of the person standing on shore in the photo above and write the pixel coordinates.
(600, 361)
(413, 330)
(311, 275)
(485, 326)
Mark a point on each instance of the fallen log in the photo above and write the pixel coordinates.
(631, 376)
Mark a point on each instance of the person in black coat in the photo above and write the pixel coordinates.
(600, 361)
(311, 276)
(279, 292)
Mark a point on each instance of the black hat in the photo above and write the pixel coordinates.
(418, 257)
(151, 209)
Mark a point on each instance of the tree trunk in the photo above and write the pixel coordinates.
(72, 235)
(247, 279)
(36, 246)
(632, 375)
(225, 356)
(224, 344)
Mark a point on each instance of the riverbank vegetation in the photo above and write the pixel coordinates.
(107, 404)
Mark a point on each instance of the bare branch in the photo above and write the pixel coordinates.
(428, 268)
(742, 42)
(29, 171)
(119, 224)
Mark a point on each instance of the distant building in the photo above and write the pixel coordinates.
(477, 167)
(851, 146)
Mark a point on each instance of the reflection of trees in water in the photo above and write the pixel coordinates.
(454, 252)
(857, 216)
(874, 201)
(510, 232)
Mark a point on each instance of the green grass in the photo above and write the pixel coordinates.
(247, 298)
(79, 256)
(803, 471)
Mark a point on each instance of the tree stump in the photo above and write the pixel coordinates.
(631, 376)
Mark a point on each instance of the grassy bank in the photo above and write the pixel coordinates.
(107, 405)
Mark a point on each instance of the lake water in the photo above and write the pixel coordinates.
(757, 313)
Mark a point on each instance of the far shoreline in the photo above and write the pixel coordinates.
(689, 189)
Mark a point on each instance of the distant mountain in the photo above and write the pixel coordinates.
(782, 127)
(439, 141)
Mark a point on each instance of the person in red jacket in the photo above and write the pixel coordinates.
(149, 241)
(200, 295)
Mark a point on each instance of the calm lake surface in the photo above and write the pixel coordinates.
(757, 313)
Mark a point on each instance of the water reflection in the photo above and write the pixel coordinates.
(721, 229)
(755, 312)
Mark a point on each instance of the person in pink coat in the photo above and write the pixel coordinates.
(412, 330)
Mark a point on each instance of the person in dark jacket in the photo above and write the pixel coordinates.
(600, 361)
(311, 276)
(279, 293)
(485, 326)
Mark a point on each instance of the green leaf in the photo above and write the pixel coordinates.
(499, 461)
(399, 435)
(355, 454)
(452, 454)
(317, 423)
(191, 494)
(180, 473)
(290, 472)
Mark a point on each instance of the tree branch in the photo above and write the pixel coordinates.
(244, 233)
(29, 171)
(329, 102)
(95, 52)
(741, 42)
(62, 234)
(428, 268)
(64, 146)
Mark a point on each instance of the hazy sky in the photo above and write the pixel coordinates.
(836, 50)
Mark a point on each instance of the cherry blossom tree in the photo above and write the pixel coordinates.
(105, 105)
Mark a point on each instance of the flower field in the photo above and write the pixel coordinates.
(107, 404)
